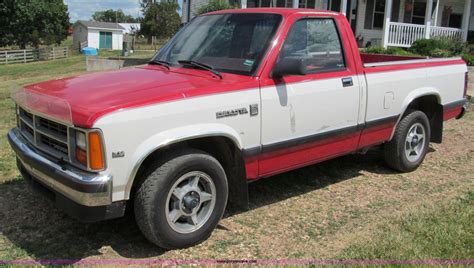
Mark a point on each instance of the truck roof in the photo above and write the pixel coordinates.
(282, 11)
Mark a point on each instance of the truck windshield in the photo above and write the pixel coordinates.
(233, 43)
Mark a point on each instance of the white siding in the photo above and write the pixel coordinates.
(117, 40)
(93, 38)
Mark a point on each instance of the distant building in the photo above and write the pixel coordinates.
(100, 35)
(130, 28)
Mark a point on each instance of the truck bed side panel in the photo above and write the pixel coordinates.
(392, 87)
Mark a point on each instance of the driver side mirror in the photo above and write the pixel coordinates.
(289, 66)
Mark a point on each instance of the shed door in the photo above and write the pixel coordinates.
(105, 40)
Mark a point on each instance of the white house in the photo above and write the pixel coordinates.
(101, 35)
(406, 23)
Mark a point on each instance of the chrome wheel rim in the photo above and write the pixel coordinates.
(190, 202)
(415, 142)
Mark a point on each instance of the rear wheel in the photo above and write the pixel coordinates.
(409, 145)
(181, 202)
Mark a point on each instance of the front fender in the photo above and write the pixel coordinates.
(171, 136)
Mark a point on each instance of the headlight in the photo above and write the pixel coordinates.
(81, 140)
(89, 149)
(81, 148)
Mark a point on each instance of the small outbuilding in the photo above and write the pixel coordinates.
(100, 35)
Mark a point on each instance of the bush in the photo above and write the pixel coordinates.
(214, 5)
(440, 53)
(468, 58)
(389, 51)
(438, 47)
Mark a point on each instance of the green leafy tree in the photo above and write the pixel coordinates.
(214, 5)
(111, 15)
(161, 20)
(33, 22)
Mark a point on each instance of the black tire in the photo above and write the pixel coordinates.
(394, 150)
(152, 195)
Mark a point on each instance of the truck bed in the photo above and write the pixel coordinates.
(378, 58)
(393, 63)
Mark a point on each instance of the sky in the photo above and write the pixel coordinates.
(83, 9)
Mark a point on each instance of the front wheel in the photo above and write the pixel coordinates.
(181, 202)
(409, 145)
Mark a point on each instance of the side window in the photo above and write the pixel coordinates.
(317, 42)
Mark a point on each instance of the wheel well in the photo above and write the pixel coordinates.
(221, 148)
(434, 111)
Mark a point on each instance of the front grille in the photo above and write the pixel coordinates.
(45, 134)
(52, 143)
(52, 128)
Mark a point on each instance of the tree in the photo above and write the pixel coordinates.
(33, 22)
(111, 15)
(214, 5)
(161, 20)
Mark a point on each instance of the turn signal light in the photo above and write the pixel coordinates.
(96, 153)
(81, 156)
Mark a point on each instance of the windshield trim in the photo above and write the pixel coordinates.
(222, 70)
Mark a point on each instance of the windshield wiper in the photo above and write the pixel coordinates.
(161, 63)
(200, 66)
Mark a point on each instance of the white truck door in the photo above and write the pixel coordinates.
(308, 118)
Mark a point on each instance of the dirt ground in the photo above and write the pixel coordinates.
(311, 213)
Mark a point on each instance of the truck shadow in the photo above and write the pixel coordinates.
(34, 227)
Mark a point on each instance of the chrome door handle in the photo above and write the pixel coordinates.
(347, 82)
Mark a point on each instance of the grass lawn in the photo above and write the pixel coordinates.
(442, 230)
(352, 207)
(118, 54)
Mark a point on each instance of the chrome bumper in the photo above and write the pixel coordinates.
(84, 188)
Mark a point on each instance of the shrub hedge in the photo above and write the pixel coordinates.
(436, 48)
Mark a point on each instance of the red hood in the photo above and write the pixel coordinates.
(93, 95)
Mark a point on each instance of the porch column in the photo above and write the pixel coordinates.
(343, 7)
(243, 3)
(465, 19)
(428, 13)
(296, 4)
(386, 22)
(435, 20)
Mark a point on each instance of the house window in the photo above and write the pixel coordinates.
(379, 11)
(455, 21)
(418, 15)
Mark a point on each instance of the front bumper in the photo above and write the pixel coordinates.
(75, 190)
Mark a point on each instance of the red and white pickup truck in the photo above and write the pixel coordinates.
(234, 96)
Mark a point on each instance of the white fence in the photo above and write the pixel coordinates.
(29, 55)
(453, 33)
(404, 34)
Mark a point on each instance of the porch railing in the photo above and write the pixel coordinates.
(404, 34)
(453, 33)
